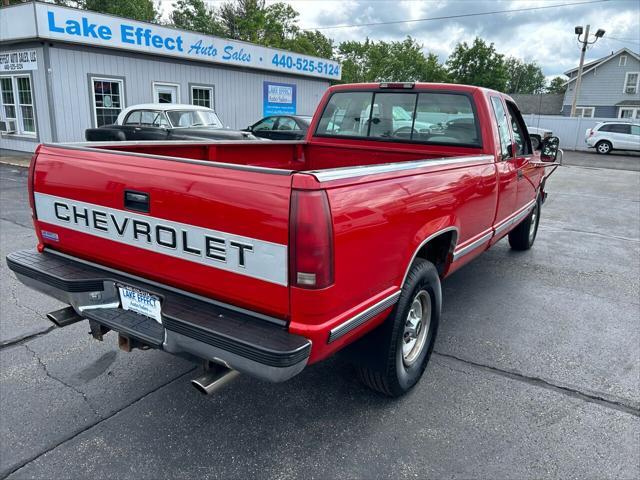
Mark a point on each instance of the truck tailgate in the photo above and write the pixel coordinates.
(215, 231)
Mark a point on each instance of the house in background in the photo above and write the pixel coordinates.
(609, 89)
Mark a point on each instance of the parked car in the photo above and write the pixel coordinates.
(537, 135)
(266, 257)
(281, 127)
(166, 121)
(608, 136)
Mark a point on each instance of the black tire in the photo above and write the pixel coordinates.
(381, 364)
(524, 235)
(604, 147)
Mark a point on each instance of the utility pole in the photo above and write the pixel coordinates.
(585, 42)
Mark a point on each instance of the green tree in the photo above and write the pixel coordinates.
(388, 61)
(143, 10)
(194, 15)
(524, 77)
(479, 64)
(274, 25)
(556, 85)
(311, 43)
(355, 61)
(434, 70)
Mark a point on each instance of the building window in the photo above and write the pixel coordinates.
(17, 103)
(108, 100)
(629, 112)
(202, 96)
(623, 61)
(25, 100)
(631, 83)
(584, 112)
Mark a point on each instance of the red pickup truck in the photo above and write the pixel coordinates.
(265, 257)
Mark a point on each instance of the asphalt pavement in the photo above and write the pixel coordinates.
(536, 374)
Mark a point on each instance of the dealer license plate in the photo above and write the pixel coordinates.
(140, 302)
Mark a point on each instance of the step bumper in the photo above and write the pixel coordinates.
(192, 325)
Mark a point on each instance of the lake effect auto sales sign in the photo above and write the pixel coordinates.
(81, 26)
(20, 61)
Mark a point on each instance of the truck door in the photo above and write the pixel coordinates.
(506, 164)
(528, 176)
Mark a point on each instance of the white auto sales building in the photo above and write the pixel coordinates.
(64, 70)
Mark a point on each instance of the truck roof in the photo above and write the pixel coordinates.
(411, 86)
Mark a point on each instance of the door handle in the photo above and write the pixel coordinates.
(137, 129)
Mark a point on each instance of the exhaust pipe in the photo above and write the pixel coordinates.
(215, 377)
(64, 317)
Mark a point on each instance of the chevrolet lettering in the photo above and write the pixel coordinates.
(262, 258)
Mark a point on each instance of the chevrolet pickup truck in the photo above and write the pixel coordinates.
(263, 258)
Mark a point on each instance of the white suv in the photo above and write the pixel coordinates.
(607, 136)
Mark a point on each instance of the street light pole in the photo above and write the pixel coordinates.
(578, 30)
(579, 78)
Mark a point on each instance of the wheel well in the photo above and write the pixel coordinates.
(438, 250)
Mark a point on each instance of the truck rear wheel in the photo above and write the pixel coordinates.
(523, 236)
(396, 353)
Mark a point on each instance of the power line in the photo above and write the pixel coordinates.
(623, 40)
(448, 17)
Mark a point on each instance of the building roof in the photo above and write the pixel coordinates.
(595, 64)
(545, 104)
(625, 103)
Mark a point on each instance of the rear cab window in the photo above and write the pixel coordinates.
(418, 117)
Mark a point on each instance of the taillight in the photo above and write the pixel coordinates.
(30, 183)
(310, 240)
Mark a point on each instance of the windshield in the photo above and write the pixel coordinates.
(194, 118)
(306, 120)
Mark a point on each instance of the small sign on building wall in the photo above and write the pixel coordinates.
(18, 61)
(278, 99)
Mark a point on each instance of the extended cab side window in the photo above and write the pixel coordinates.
(520, 134)
(503, 126)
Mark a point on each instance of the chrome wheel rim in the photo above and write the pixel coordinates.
(416, 327)
(604, 148)
(534, 222)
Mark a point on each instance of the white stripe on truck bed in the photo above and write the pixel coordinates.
(234, 253)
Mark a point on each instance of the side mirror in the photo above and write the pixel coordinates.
(549, 149)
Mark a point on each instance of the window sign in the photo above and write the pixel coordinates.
(18, 61)
(278, 99)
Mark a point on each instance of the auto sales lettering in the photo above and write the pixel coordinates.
(79, 26)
